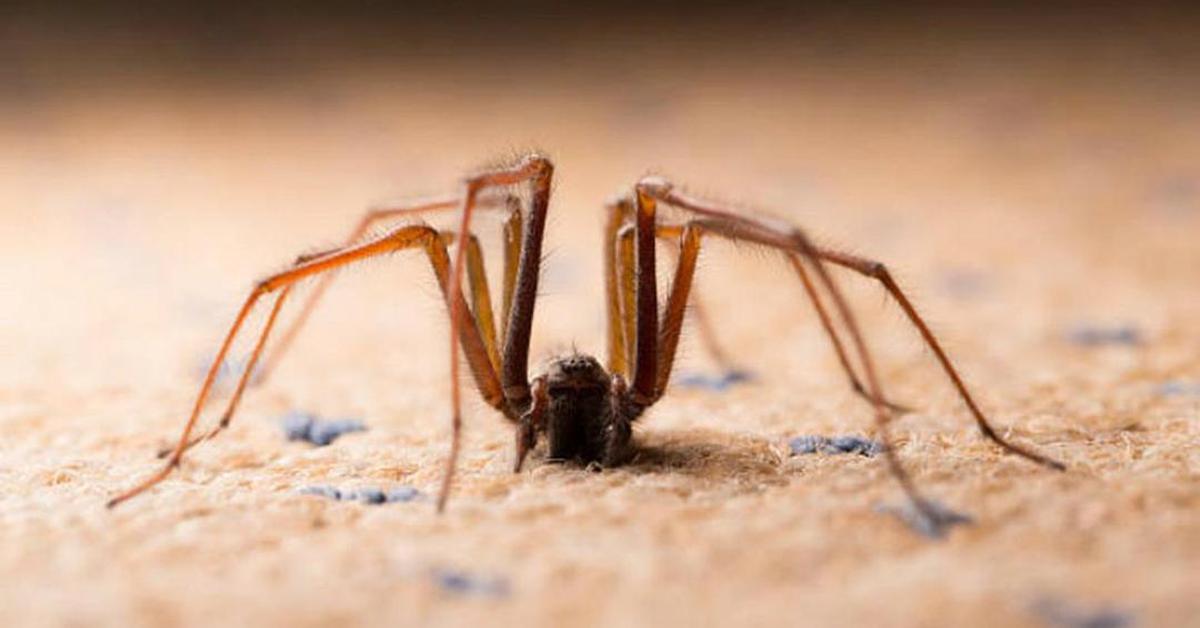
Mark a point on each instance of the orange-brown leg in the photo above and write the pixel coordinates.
(402, 238)
(369, 220)
(481, 310)
(879, 272)
(725, 223)
(514, 376)
(734, 227)
(481, 299)
(674, 233)
(231, 407)
(513, 240)
(834, 339)
(672, 320)
(624, 303)
(616, 271)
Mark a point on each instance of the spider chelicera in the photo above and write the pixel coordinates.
(583, 411)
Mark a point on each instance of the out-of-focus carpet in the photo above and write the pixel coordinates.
(1021, 207)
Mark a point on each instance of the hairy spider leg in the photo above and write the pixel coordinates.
(514, 376)
(724, 223)
(625, 326)
(878, 271)
(370, 219)
(481, 310)
(674, 232)
(401, 238)
(231, 406)
(618, 281)
(827, 323)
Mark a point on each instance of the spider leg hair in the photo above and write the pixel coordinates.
(401, 238)
(371, 219)
(514, 377)
(727, 224)
(879, 272)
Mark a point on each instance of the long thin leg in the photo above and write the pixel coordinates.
(402, 238)
(627, 298)
(184, 441)
(513, 229)
(481, 299)
(645, 369)
(831, 331)
(879, 272)
(247, 374)
(675, 232)
(481, 309)
(514, 374)
(672, 322)
(365, 224)
(738, 228)
(620, 274)
(785, 237)
(618, 358)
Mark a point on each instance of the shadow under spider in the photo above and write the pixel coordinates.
(706, 454)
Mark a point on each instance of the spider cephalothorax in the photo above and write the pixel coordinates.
(583, 411)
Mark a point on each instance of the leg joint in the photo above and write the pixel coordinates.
(654, 187)
(692, 230)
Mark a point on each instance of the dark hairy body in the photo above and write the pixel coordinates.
(583, 411)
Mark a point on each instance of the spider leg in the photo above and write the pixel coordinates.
(513, 229)
(618, 285)
(481, 310)
(737, 228)
(879, 272)
(531, 422)
(370, 219)
(231, 407)
(644, 384)
(831, 331)
(622, 299)
(401, 238)
(725, 223)
(674, 233)
(481, 299)
(514, 376)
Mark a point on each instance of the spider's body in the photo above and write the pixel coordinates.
(588, 412)
(582, 410)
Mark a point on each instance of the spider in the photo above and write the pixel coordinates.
(582, 410)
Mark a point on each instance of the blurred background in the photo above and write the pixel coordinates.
(1031, 173)
(221, 137)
